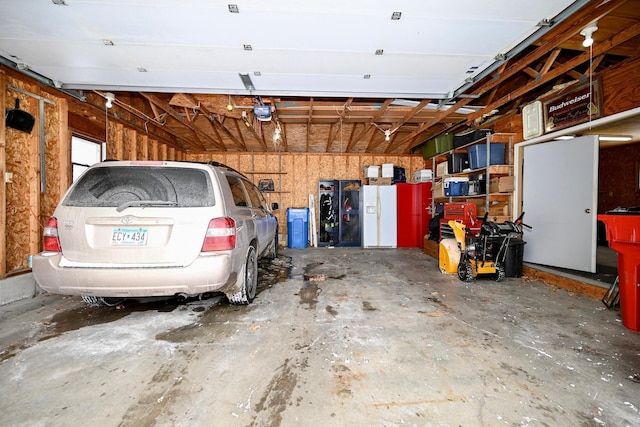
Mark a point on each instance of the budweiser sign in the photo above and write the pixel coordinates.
(572, 106)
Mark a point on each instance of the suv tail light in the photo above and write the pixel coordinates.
(221, 235)
(50, 240)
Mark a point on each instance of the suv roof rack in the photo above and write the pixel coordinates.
(222, 165)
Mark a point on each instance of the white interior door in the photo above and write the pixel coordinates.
(560, 196)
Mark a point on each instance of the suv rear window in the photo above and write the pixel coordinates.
(116, 185)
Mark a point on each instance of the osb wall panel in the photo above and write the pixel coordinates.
(22, 196)
(3, 192)
(162, 152)
(115, 142)
(153, 149)
(128, 144)
(57, 160)
(142, 149)
(299, 173)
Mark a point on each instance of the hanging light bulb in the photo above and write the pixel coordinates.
(110, 98)
(387, 135)
(229, 105)
(587, 32)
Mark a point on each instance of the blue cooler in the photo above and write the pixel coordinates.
(297, 227)
(478, 155)
(456, 186)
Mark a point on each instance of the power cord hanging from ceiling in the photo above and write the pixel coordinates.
(106, 124)
(587, 32)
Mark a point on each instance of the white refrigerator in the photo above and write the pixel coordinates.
(379, 216)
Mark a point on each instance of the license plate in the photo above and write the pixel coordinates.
(129, 236)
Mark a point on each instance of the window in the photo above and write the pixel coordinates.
(115, 185)
(84, 153)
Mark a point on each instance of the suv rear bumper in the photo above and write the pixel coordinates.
(208, 273)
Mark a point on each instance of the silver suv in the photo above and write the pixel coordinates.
(153, 228)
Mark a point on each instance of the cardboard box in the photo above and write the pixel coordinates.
(380, 181)
(503, 184)
(387, 170)
(438, 189)
(372, 171)
(506, 184)
(497, 210)
(442, 169)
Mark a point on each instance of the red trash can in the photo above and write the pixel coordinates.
(623, 235)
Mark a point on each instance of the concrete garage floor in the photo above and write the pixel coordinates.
(341, 337)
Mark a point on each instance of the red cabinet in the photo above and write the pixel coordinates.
(414, 213)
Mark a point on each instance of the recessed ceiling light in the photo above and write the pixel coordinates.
(142, 70)
(107, 42)
(367, 76)
(395, 16)
(233, 8)
(379, 51)
(247, 47)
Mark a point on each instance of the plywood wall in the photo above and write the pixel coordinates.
(296, 175)
(25, 205)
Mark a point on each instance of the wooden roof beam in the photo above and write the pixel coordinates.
(598, 49)
(380, 112)
(593, 13)
(215, 124)
(153, 99)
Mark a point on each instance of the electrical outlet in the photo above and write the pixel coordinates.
(8, 177)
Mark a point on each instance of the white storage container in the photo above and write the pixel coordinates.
(424, 175)
(372, 171)
(387, 170)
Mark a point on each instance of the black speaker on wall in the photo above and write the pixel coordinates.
(18, 119)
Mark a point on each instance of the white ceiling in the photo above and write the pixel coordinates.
(299, 47)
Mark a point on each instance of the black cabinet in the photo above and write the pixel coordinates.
(338, 213)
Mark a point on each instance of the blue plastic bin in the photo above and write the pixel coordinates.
(478, 155)
(297, 227)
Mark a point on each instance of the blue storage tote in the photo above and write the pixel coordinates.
(456, 186)
(297, 227)
(478, 155)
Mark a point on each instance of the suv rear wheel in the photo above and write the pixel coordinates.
(250, 282)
